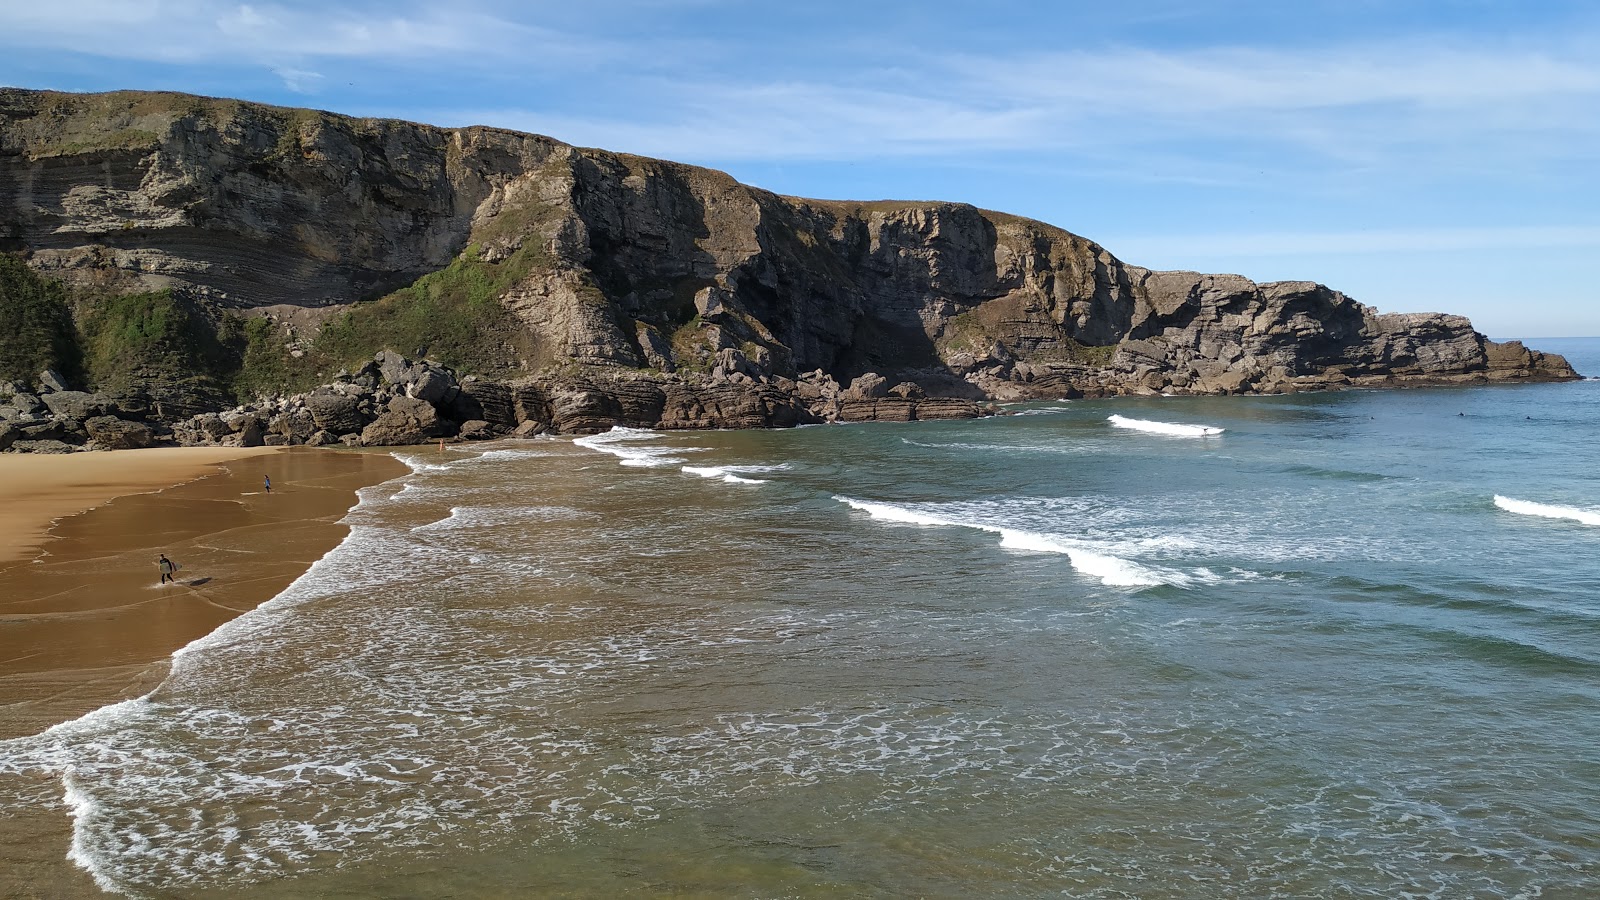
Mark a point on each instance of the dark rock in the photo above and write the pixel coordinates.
(335, 412)
(295, 426)
(76, 404)
(867, 387)
(68, 431)
(41, 446)
(431, 385)
(9, 434)
(476, 430)
(406, 421)
(112, 433)
(51, 380)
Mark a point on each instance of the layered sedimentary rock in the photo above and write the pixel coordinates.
(665, 293)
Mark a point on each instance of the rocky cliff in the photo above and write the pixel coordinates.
(579, 271)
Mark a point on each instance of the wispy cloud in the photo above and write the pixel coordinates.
(289, 37)
(1352, 106)
(1347, 243)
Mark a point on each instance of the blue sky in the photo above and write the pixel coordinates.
(1419, 156)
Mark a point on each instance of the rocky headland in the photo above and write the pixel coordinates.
(214, 271)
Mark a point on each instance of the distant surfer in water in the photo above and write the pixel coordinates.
(266, 482)
(168, 567)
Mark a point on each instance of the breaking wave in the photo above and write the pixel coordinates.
(734, 474)
(1546, 511)
(624, 443)
(1111, 570)
(1168, 428)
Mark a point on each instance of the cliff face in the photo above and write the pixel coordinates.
(631, 263)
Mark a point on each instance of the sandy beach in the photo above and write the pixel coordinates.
(84, 620)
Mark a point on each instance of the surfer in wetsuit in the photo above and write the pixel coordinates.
(167, 568)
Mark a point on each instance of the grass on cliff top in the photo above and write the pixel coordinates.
(36, 327)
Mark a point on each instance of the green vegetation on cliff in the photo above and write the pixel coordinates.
(453, 315)
(36, 329)
(132, 339)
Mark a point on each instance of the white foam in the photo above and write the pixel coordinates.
(82, 808)
(729, 474)
(1168, 428)
(1528, 508)
(622, 442)
(488, 517)
(418, 464)
(1111, 570)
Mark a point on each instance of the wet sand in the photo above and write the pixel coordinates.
(84, 620)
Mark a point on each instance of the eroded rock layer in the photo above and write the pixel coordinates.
(663, 285)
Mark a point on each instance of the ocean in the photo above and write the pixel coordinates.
(1321, 645)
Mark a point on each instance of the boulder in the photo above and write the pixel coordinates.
(407, 420)
(76, 404)
(867, 387)
(476, 430)
(431, 384)
(392, 367)
(248, 433)
(68, 431)
(335, 412)
(112, 433)
(26, 403)
(295, 426)
(51, 380)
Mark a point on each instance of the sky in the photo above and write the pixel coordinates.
(1431, 155)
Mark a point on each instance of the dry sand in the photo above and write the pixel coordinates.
(84, 620)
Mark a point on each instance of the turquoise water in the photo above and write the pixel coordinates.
(1312, 655)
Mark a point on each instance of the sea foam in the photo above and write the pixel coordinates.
(733, 474)
(1528, 508)
(1168, 428)
(1111, 570)
(624, 443)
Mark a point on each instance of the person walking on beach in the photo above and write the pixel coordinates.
(167, 568)
(266, 482)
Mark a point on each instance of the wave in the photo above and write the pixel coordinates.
(491, 516)
(1111, 570)
(418, 464)
(734, 474)
(622, 442)
(1168, 428)
(1528, 508)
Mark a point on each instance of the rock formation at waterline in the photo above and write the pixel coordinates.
(583, 288)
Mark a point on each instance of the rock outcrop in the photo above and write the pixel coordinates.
(646, 291)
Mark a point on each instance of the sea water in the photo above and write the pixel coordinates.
(1322, 645)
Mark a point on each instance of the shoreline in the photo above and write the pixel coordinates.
(86, 623)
